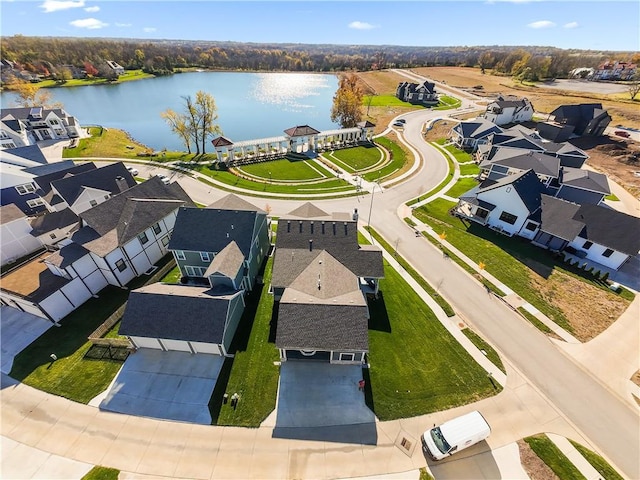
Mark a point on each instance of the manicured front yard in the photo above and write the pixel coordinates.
(554, 458)
(600, 464)
(287, 170)
(417, 367)
(358, 158)
(397, 161)
(533, 273)
(463, 185)
(251, 373)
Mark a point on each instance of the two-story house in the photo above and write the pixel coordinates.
(219, 236)
(509, 109)
(417, 93)
(321, 276)
(23, 126)
(470, 134)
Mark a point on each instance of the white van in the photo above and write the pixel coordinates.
(455, 435)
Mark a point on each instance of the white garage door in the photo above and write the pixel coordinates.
(178, 345)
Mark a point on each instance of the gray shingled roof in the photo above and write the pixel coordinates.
(9, 213)
(586, 180)
(53, 220)
(301, 130)
(67, 255)
(211, 230)
(339, 238)
(540, 163)
(44, 180)
(478, 128)
(28, 152)
(322, 327)
(527, 185)
(557, 218)
(227, 262)
(104, 178)
(177, 312)
(234, 202)
(307, 210)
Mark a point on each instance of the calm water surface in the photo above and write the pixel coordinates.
(250, 105)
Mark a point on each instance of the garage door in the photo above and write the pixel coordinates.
(210, 348)
(177, 345)
(317, 356)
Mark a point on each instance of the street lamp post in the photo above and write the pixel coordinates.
(373, 191)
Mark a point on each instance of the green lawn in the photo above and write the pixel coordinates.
(102, 473)
(81, 82)
(479, 342)
(286, 170)
(417, 367)
(501, 255)
(554, 458)
(251, 373)
(398, 160)
(386, 101)
(463, 185)
(469, 169)
(460, 155)
(600, 464)
(173, 276)
(358, 158)
(447, 103)
(448, 310)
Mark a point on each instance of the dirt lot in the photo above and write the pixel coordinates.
(535, 468)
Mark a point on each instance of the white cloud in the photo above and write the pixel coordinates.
(54, 5)
(123, 24)
(89, 23)
(541, 24)
(571, 25)
(361, 25)
(149, 29)
(92, 9)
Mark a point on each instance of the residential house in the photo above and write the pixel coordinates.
(468, 135)
(116, 241)
(591, 232)
(614, 71)
(582, 186)
(53, 227)
(226, 242)
(586, 119)
(505, 205)
(320, 279)
(24, 126)
(15, 234)
(509, 109)
(508, 161)
(115, 67)
(187, 318)
(417, 93)
(84, 190)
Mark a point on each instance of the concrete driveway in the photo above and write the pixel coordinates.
(320, 401)
(167, 385)
(17, 330)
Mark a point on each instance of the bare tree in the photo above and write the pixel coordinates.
(634, 86)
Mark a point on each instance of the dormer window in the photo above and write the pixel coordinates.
(204, 256)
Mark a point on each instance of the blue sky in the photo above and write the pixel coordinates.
(596, 25)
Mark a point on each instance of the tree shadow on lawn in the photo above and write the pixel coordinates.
(378, 317)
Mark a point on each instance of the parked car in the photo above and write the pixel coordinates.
(402, 120)
(622, 133)
(164, 178)
(132, 171)
(398, 124)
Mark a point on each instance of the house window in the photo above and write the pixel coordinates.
(194, 271)
(509, 218)
(26, 188)
(143, 238)
(165, 240)
(36, 202)
(347, 357)
(530, 226)
(52, 235)
(482, 213)
(204, 256)
(607, 253)
(587, 245)
(120, 265)
(106, 197)
(93, 203)
(180, 255)
(157, 229)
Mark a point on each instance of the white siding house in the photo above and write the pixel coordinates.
(15, 234)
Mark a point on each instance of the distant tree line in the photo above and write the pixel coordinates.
(165, 56)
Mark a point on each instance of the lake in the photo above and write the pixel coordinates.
(250, 105)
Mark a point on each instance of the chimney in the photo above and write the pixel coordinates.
(121, 184)
(355, 214)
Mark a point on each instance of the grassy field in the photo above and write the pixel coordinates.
(128, 76)
(448, 310)
(251, 373)
(551, 286)
(600, 464)
(358, 158)
(463, 185)
(417, 367)
(469, 169)
(101, 473)
(287, 170)
(554, 458)
(479, 342)
(397, 164)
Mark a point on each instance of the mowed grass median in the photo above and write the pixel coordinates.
(417, 367)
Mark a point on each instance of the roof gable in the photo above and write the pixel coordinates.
(301, 131)
(70, 187)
